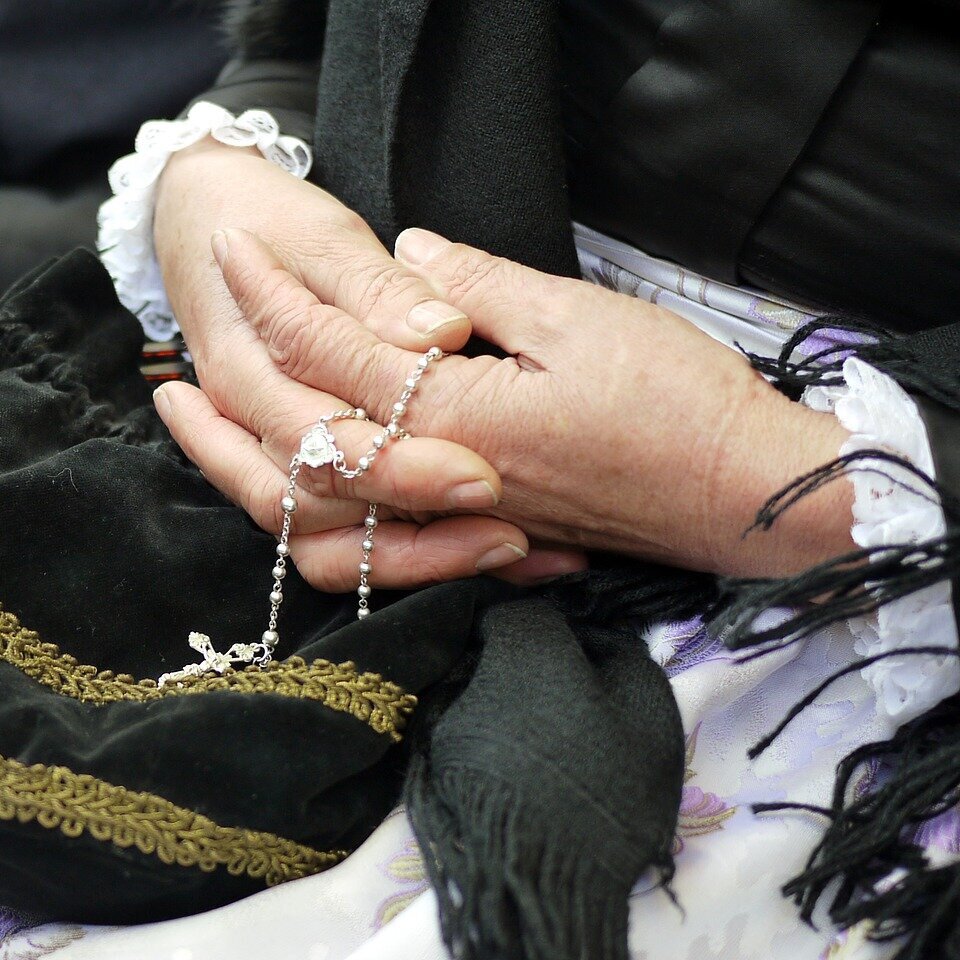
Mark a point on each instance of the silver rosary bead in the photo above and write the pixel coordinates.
(288, 505)
(370, 522)
(279, 572)
(366, 546)
(276, 597)
(270, 637)
(283, 550)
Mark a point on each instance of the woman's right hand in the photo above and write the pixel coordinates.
(263, 413)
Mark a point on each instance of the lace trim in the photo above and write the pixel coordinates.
(125, 240)
(57, 798)
(880, 414)
(380, 704)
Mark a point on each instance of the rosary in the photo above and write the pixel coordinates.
(318, 448)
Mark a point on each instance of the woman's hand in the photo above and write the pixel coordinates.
(613, 424)
(253, 416)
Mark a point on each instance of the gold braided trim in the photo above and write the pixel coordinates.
(55, 797)
(380, 704)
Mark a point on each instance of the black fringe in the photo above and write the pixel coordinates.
(906, 359)
(493, 906)
(853, 584)
(867, 858)
(867, 861)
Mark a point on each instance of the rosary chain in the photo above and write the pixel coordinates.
(392, 431)
(317, 448)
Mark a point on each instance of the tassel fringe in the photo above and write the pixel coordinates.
(854, 584)
(900, 357)
(870, 862)
(504, 894)
(869, 857)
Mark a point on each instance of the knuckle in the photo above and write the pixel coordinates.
(462, 400)
(349, 221)
(469, 270)
(376, 285)
(257, 496)
(296, 355)
(284, 310)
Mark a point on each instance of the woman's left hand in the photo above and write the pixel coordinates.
(614, 424)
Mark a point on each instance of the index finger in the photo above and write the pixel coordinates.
(350, 269)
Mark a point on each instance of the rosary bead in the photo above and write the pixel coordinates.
(434, 353)
(392, 429)
(364, 463)
(279, 572)
(288, 504)
(276, 596)
(410, 383)
(363, 613)
(360, 413)
(370, 523)
(283, 550)
(399, 409)
(423, 363)
(365, 567)
(364, 590)
(270, 637)
(367, 546)
(379, 441)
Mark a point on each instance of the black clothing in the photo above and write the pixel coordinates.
(810, 148)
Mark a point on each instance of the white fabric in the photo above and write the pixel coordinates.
(888, 510)
(125, 238)
(730, 862)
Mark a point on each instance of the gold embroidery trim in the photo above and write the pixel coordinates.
(57, 798)
(380, 704)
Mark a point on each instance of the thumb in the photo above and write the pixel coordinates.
(508, 303)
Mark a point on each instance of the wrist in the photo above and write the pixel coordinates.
(771, 443)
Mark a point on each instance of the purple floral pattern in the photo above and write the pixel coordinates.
(848, 944)
(700, 812)
(691, 645)
(22, 940)
(409, 871)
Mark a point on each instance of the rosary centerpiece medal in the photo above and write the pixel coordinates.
(318, 448)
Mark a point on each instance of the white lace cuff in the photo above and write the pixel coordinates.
(125, 240)
(880, 415)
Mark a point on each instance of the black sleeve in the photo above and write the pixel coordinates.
(275, 52)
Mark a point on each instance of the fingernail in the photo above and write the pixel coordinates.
(427, 317)
(218, 243)
(162, 402)
(500, 556)
(472, 495)
(416, 246)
